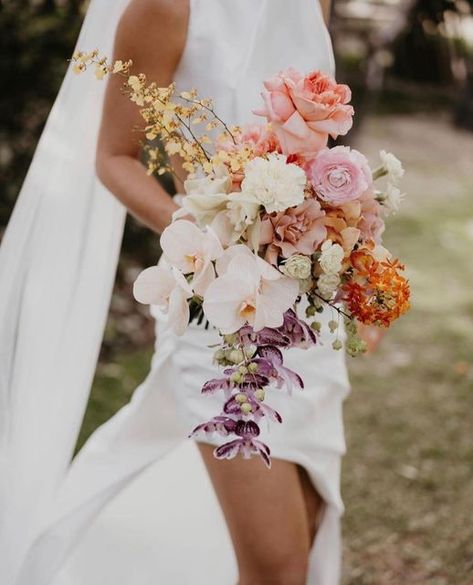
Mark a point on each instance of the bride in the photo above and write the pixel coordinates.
(57, 262)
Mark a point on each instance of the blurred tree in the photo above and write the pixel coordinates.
(36, 37)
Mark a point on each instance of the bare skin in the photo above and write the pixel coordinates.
(272, 515)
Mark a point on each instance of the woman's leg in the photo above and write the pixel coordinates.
(268, 516)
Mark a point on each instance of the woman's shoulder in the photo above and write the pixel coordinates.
(153, 27)
(143, 10)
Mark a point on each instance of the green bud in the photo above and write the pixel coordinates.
(236, 356)
(337, 345)
(246, 408)
(241, 398)
(260, 394)
(243, 370)
(310, 311)
(249, 351)
(252, 368)
(236, 378)
(333, 326)
(230, 339)
(316, 326)
(219, 355)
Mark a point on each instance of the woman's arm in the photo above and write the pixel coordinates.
(153, 34)
(326, 5)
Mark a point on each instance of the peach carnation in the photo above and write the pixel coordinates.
(299, 229)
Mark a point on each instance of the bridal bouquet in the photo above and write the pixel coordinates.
(275, 227)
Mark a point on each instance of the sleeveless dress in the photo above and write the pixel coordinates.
(166, 526)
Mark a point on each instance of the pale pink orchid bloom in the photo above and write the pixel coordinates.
(248, 290)
(192, 251)
(167, 289)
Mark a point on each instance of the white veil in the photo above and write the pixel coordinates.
(57, 266)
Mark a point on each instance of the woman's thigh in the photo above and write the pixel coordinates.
(267, 514)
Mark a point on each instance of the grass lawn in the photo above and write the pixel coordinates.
(408, 475)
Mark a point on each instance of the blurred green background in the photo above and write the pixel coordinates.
(408, 479)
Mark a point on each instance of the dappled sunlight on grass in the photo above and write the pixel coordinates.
(408, 481)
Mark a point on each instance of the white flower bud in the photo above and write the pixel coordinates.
(392, 198)
(392, 165)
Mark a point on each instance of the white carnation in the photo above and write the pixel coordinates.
(327, 285)
(392, 198)
(392, 165)
(331, 257)
(273, 183)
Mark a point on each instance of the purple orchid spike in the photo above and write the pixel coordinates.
(223, 425)
(246, 444)
(271, 364)
(213, 386)
(265, 336)
(300, 334)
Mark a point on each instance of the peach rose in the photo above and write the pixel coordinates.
(299, 229)
(304, 111)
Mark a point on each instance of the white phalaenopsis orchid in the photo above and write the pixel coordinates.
(168, 289)
(248, 290)
(192, 251)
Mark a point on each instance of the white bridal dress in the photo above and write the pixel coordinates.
(136, 506)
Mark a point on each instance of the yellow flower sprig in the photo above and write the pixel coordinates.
(180, 121)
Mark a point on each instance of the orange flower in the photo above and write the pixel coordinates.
(377, 293)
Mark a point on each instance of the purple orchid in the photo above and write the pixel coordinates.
(244, 384)
(224, 425)
(271, 364)
(246, 444)
(298, 331)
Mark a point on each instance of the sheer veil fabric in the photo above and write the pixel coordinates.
(57, 265)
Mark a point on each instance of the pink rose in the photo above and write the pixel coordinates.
(299, 229)
(304, 111)
(339, 175)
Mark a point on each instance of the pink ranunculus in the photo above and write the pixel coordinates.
(339, 175)
(304, 111)
(299, 229)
